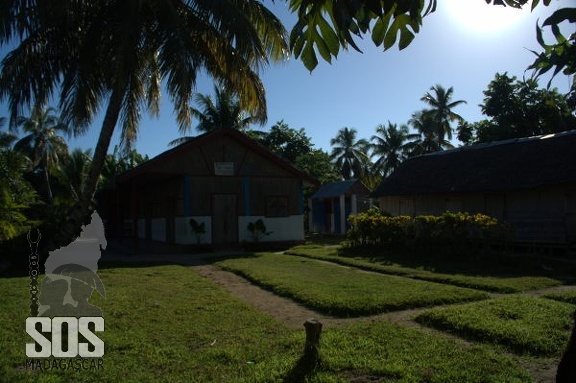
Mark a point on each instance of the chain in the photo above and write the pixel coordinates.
(34, 266)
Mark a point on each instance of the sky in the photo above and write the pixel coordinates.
(461, 45)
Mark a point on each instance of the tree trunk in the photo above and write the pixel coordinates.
(48, 188)
(81, 212)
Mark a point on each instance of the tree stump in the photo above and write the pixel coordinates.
(311, 355)
(566, 372)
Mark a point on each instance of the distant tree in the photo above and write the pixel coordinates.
(286, 142)
(72, 174)
(16, 194)
(42, 143)
(390, 144)
(318, 164)
(349, 154)
(117, 163)
(520, 109)
(427, 139)
(221, 112)
(440, 112)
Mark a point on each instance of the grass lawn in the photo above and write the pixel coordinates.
(568, 296)
(491, 275)
(523, 324)
(342, 291)
(168, 324)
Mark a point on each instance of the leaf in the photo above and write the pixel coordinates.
(309, 57)
(564, 14)
(380, 28)
(329, 36)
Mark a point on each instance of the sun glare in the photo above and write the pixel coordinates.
(478, 17)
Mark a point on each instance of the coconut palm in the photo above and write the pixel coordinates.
(74, 171)
(349, 154)
(440, 112)
(42, 143)
(391, 145)
(427, 140)
(116, 54)
(224, 111)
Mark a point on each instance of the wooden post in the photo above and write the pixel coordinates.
(566, 372)
(311, 348)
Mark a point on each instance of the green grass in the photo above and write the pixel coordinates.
(342, 291)
(163, 323)
(491, 283)
(523, 324)
(167, 324)
(567, 296)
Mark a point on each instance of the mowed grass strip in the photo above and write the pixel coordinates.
(523, 324)
(495, 284)
(566, 296)
(381, 351)
(342, 291)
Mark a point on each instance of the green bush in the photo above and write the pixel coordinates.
(453, 230)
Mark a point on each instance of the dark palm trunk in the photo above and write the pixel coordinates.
(48, 188)
(80, 213)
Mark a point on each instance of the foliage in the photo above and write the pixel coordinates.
(451, 231)
(524, 324)
(349, 154)
(317, 163)
(257, 229)
(222, 112)
(286, 142)
(326, 26)
(16, 195)
(440, 112)
(119, 162)
(42, 143)
(518, 108)
(59, 50)
(341, 291)
(560, 55)
(391, 145)
(427, 140)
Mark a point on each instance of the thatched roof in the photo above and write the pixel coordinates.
(521, 163)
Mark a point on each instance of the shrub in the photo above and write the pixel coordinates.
(453, 230)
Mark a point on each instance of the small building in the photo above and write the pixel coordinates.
(331, 205)
(528, 182)
(223, 181)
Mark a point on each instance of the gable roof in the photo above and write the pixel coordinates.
(336, 189)
(503, 165)
(200, 140)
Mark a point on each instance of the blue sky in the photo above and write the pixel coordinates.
(462, 47)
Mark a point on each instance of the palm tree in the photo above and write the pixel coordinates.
(441, 114)
(390, 144)
(427, 140)
(42, 143)
(223, 111)
(74, 171)
(350, 155)
(119, 52)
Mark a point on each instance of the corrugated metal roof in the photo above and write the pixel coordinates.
(503, 165)
(334, 189)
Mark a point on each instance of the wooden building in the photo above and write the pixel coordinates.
(528, 182)
(333, 203)
(223, 180)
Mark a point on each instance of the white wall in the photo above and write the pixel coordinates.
(184, 234)
(158, 228)
(283, 228)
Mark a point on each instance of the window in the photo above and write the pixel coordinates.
(276, 206)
